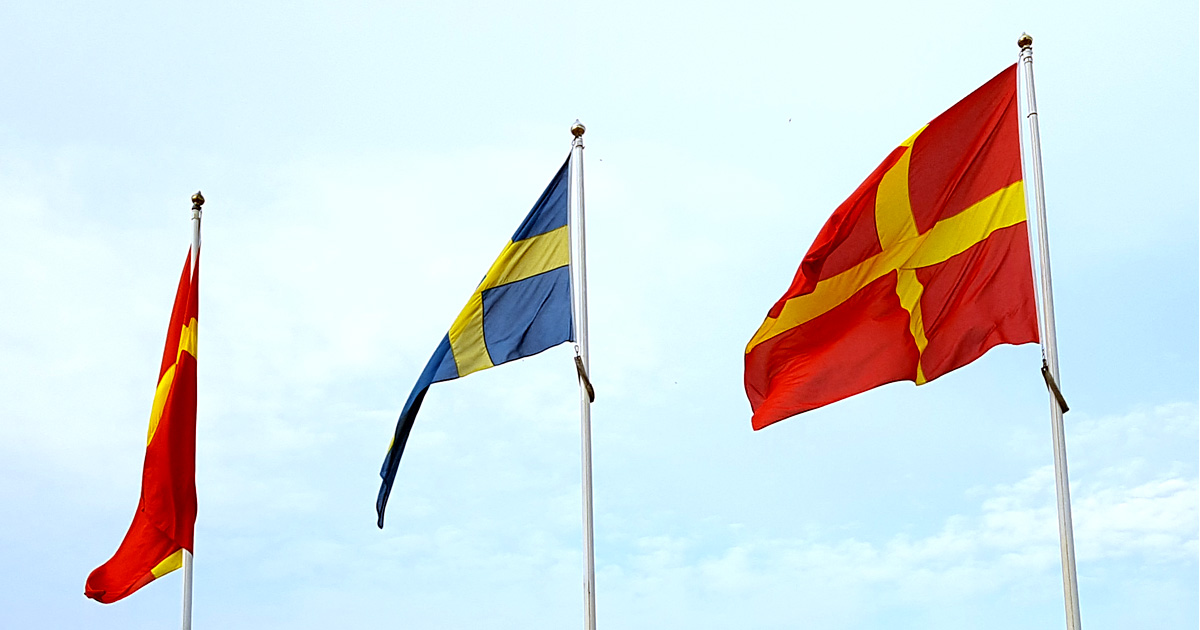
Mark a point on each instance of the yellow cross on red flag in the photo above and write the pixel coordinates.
(922, 270)
(165, 521)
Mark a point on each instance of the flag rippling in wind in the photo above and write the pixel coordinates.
(922, 270)
(522, 307)
(165, 521)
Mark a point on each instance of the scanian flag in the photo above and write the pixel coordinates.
(922, 270)
(165, 521)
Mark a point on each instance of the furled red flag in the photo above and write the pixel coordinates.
(922, 270)
(165, 520)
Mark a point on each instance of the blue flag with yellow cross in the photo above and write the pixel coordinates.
(522, 307)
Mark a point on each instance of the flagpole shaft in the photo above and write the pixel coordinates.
(187, 590)
(197, 202)
(1066, 535)
(579, 304)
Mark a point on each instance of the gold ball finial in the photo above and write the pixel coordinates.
(577, 129)
(1025, 41)
(197, 200)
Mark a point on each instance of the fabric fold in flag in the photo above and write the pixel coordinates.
(165, 521)
(522, 307)
(922, 270)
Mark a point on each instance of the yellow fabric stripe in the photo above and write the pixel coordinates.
(187, 340)
(518, 261)
(528, 258)
(955, 235)
(950, 237)
(894, 223)
(160, 400)
(909, 289)
(187, 343)
(172, 562)
(466, 338)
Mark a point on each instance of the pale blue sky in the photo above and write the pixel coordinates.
(365, 162)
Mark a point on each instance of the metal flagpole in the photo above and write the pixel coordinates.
(1058, 404)
(586, 393)
(197, 202)
(187, 590)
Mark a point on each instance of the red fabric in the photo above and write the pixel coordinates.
(977, 300)
(861, 344)
(968, 152)
(847, 238)
(166, 515)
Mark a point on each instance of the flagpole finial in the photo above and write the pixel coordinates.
(577, 129)
(197, 200)
(1025, 42)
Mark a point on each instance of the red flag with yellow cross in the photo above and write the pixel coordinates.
(165, 521)
(921, 271)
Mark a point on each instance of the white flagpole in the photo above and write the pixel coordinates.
(586, 393)
(197, 201)
(187, 590)
(1058, 405)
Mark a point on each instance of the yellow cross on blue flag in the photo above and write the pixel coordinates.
(522, 307)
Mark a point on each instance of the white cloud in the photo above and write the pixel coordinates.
(1007, 548)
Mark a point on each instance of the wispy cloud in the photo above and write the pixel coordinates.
(1007, 547)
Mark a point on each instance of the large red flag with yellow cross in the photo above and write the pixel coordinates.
(165, 521)
(921, 271)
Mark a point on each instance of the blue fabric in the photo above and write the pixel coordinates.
(446, 369)
(523, 318)
(433, 369)
(550, 211)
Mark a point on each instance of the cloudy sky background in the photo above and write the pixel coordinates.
(365, 162)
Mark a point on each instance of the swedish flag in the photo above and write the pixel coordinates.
(522, 307)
